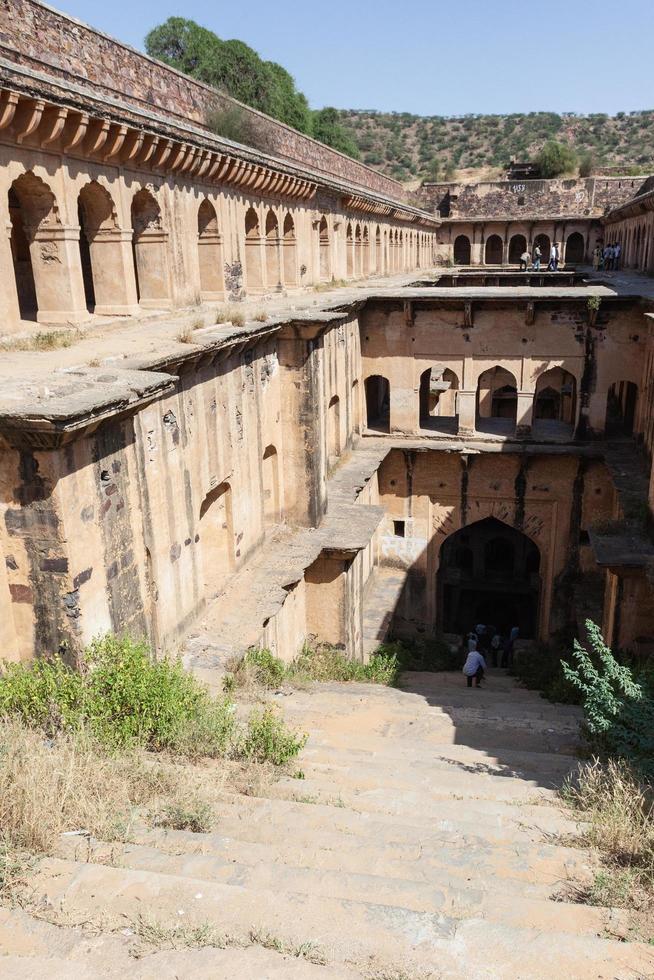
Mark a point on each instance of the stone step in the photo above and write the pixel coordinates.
(409, 819)
(494, 899)
(543, 866)
(349, 932)
(32, 952)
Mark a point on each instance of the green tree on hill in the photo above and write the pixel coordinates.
(555, 159)
(327, 128)
(236, 69)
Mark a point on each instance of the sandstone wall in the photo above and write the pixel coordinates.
(438, 493)
(44, 39)
(582, 197)
(559, 336)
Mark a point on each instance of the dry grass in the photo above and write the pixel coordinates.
(260, 316)
(50, 787)
(44, 340)
(618, 815)
(185, 336)
(231, 315)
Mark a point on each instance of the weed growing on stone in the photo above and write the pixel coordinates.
(260, 316)
(44, 340)
(618, 813)
(194, 814)
(185, 336)
(322, 662)
(267, 739)
(230, 315)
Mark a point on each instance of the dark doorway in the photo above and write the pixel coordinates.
(517, 246)
(574, 248)
(621, 408)
(378, 403)
(493, 252)
(489, 573)
(462, 250)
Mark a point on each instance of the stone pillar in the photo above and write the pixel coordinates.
(9, 308)
(525, 411)
(57, 270)
(300, 352)
(466, 404)
(152, 267)
(114, 281)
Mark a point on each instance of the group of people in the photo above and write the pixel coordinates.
(528, 261)
(485, 640)
(607, 256)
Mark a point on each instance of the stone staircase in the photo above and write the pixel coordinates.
(423, 840)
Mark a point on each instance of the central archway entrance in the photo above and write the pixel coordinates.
(489, 573)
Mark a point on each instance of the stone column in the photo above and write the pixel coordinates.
(57, 270)
(466, 404)
(300, 352)
(525, 410)
(114, 281)
(9, 307)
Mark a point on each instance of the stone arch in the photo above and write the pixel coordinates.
(253, 247)
(149, 249)
(216, 530)
(545, 243)
(489, 572)
(517, 246)
(555, 396)
(333, 430)
(272, 510)
(378, 263)
(289, 251)
(324, 247)
(493, 251)
(575, 248)
(438, 395)
(358, 256)
(47, 271)
(365, 247)
(273, 265)
(107, 271)
(378, 403)
(462, 250)
(497, 396)
(210, 253)
(349, 247)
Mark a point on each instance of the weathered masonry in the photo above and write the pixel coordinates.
(459, 442)
(405, 457)
(116, 203)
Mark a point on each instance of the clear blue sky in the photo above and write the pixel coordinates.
(428, 56)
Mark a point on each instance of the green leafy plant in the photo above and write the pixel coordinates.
(267, 739)
(618, 711)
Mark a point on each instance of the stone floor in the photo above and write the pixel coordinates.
(424, 841)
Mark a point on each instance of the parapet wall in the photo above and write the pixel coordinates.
(583, 197)
(42, 39)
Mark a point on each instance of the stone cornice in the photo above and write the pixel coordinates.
(36, 110)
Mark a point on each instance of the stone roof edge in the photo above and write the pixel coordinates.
(8, 78)
(637, 205)
(195, 81)
(493, 219)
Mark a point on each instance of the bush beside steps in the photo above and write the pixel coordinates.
(124, 741)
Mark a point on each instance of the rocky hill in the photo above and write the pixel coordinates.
(410, 147)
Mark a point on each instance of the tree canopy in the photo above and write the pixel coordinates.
(236, 69)
(555, 159)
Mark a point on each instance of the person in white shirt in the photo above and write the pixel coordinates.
(474, 666)
(617, 252)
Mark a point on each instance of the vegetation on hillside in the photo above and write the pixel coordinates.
(236, 69)
(407, 146)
